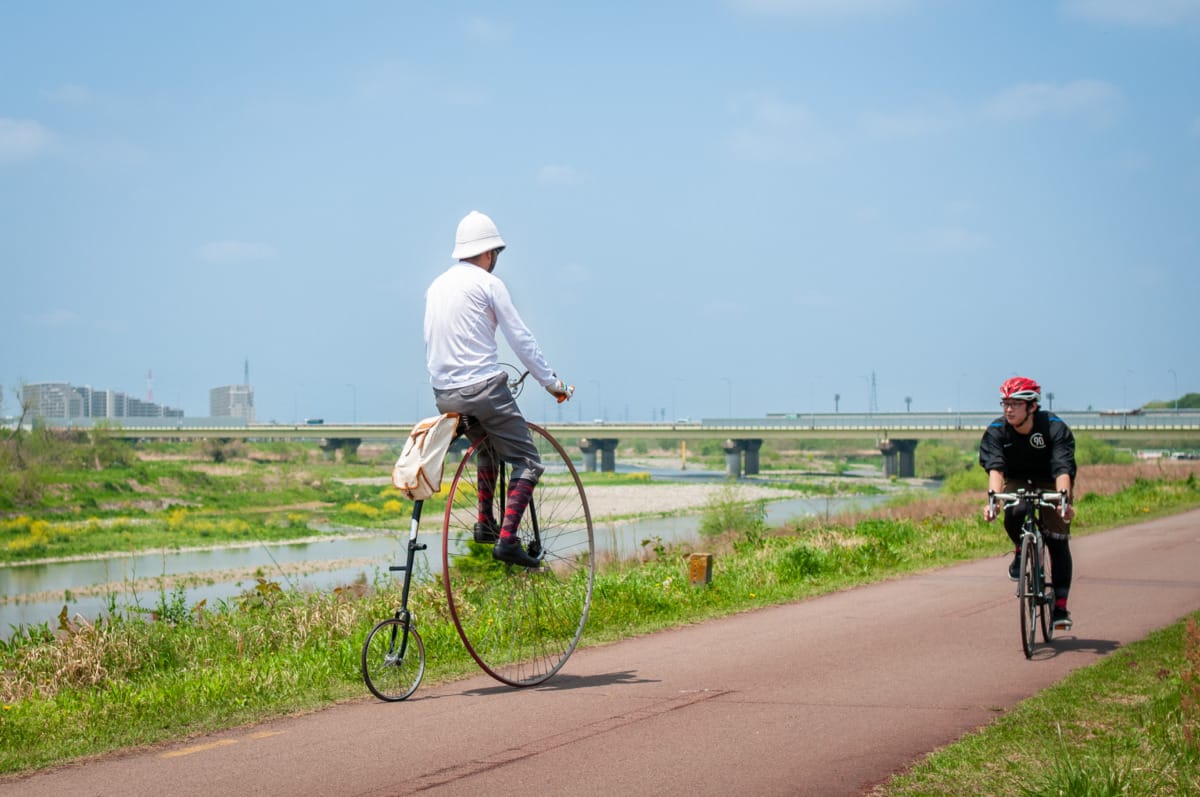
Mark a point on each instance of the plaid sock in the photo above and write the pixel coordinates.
(485, 487)
(519, 493)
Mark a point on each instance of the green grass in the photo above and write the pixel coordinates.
(1137, 733)
(84, 689)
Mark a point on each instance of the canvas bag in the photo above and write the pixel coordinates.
(418, 471)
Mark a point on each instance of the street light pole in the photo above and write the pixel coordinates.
(599, 403)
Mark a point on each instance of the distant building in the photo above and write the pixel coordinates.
(64, 401)
(232, 401)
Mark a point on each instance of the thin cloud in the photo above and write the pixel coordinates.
(58, 317)
(950, 241)
(486, 30)
(779, 131)
(21, 139)
(235, 252)
(72, 94)
(911, 124)
(821, 8)
(575, 274)
(1094, 99)
(1136, 13)
(559, 175)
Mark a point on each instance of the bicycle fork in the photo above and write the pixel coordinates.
(1036, 548)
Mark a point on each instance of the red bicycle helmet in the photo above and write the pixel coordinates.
(1020, 387)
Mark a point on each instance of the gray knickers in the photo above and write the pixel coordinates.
(495, 412)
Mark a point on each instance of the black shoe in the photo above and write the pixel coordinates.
(513, 554)
(486, 531)
(1061, 619)
(1014, 570)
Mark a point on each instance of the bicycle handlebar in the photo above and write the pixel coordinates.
(516, 385)
(1054, 499)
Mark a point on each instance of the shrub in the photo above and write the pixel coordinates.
(726, 513)
(1091, 451)
(359, 508)
(935, 460)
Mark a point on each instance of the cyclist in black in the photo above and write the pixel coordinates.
(1031, 448)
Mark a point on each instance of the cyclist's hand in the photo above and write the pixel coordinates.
(991, 510)
(1066, 509)
(560, 390)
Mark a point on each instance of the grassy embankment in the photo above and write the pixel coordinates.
(92, 687)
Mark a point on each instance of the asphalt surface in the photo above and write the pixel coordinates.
(829, 696)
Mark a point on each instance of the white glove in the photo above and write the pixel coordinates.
(560, 390)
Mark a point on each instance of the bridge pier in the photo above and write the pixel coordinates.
(332, 446)
(899, 458)
(607, 448)
(734, 449)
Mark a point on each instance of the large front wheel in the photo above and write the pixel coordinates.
(519, 624)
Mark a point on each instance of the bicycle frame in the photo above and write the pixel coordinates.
(393, 667)
(413, 546)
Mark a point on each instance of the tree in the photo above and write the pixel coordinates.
(836, 398)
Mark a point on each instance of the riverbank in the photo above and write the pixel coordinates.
(128, 681)
(607, 502)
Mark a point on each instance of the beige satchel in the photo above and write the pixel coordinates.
(418, 471)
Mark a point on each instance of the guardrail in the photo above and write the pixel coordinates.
(706, 430)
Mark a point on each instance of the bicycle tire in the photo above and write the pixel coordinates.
(1045, 599)
(388, 675)
(1028, 596)
(520, 624)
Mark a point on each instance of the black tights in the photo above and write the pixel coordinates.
(1060, 559)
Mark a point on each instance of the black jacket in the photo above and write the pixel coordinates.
(1046, 452)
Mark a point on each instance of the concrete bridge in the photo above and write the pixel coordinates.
(896, 435)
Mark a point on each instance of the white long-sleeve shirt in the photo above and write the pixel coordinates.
(463, 307)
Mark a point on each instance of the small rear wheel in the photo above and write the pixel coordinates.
(393, 660)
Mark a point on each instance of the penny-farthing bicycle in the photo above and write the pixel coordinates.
(519, 624)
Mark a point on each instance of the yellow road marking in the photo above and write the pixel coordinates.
(200, 748)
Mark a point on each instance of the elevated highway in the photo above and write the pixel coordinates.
(896, 435)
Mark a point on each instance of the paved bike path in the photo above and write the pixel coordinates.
(824, 697)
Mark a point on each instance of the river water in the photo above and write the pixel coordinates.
(33, 594)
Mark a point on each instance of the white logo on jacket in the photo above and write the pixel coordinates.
(1037, 441)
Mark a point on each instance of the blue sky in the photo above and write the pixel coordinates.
(746, 205)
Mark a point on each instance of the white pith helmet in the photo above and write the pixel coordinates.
(476, 234)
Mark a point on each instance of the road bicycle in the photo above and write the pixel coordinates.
(1034, 593)
(520, 624)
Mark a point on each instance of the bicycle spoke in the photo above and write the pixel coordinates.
(519, 624)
